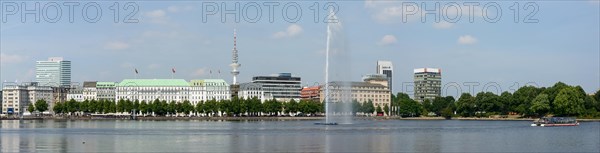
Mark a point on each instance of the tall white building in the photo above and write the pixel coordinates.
(386, 68)
(54, 72)
(209, 89)
(234, 61)
(16, 98)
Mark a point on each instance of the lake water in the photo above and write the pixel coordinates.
(294, 136)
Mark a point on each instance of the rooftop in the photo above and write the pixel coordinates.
(153, 83)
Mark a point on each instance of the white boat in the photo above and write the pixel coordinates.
(556, 121)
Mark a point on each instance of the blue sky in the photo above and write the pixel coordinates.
(562, 46)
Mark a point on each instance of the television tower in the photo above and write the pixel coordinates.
(234, 62)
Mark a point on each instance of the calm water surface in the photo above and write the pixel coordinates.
(294, 136)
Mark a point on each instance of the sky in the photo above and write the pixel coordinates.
(501, 46)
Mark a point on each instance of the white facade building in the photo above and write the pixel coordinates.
(99, 90)
(150, 89)
(76, 94)
(16, 98)
(251, 90)
(208, 89)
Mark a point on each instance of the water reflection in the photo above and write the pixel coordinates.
(287, 136)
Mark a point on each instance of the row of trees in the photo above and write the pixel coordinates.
(40, 106)
(559, 100)
(233, 107)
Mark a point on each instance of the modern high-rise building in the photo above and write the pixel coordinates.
(428, 83)
(282, 87)
(54, 72)
(386, 68)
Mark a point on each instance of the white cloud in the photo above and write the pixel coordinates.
(291, 31)
(391, 11)
(467, 39)
(116, 45)
(199, 72)
(443, 25)
(6, 58)
(388, 40)
(156, 14)
(175, 9)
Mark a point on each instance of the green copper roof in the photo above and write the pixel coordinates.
(105, 84)
(154, 83)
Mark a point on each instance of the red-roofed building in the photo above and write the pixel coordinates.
(310, 93)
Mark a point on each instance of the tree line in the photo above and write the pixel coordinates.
(232, 107)
(528, 101)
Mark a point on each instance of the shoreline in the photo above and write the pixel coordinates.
(267, 118)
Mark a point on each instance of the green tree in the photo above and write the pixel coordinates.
(291, 107)
(93, 106)
(553, 91)
(409, 107)
(568, 102)
(355, 107)
(188, 107)
(597, 96)
(211, 108)
(171, 108)
(386, 109)
(30, 108)
(506, 99)
(427, 106)
(540, 105)
(157, 108)
(84, 106)
(439, 103)
(378, 109)
(72, 106)
(41, 105)
(255, 106)
(143, 107)
(200, 107)
(523, 98)
(121, 106)
(369, 107)
(465, 106)
(488, 102)
(58, 108)
(447, 112)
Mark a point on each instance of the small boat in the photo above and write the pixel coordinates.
(556, 121)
